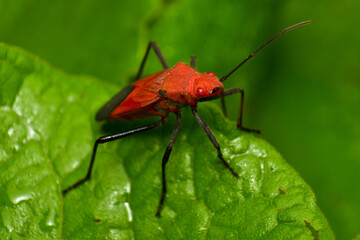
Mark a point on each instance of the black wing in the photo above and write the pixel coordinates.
(105, 111)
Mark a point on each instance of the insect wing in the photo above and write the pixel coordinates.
(106, 110)
(138, 104)
(133, 101)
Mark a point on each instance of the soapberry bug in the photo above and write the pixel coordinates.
(169, 91)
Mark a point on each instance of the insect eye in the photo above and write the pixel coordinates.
(215, 90)
(211, 74)
(200, 92)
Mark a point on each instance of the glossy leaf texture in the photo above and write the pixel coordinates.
(302, 91)
(48, 130)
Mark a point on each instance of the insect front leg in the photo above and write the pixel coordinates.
(228, 93)
(223, 106)
(158, 53)
(165, 160)
(213, 141)
(105, 139)
(239, 122)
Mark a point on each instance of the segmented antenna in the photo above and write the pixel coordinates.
(264, 45)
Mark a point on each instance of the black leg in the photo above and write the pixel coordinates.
(165, 160)
(230, 92)
(193, 62)
(213, 141)
(158, 53)
(223, 106)
(108, 139)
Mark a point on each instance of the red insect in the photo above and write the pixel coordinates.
(164, 92)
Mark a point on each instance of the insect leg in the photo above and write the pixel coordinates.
(223, 106)
(158, 53)
(165, 160)
(230, 92)
(213, 141)
(193, 62)
(105, 139)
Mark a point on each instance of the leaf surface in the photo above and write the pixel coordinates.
(48, 131)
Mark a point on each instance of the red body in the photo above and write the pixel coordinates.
(166, 91)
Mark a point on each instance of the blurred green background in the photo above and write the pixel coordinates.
(303, 91)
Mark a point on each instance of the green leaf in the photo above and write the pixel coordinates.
(48, 131)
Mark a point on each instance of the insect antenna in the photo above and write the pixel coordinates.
(264, 45)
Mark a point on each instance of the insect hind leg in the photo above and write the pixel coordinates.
(105, 139)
